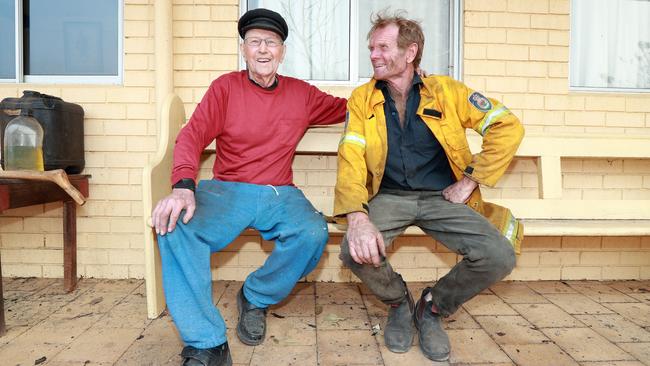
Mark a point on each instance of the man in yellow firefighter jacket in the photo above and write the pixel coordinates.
(404, 160)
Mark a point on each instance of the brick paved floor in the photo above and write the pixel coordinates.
(513, 323)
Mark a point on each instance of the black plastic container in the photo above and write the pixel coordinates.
(63, 127)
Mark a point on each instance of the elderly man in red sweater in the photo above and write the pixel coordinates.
(257, 118)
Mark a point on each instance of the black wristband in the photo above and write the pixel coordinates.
(186, 183)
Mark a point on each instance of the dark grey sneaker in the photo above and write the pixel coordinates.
(434, 341)
(215, 356)
(398, 334)
(251, 327)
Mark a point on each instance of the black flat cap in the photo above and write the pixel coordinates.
(263, 19)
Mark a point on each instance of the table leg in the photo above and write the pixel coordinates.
(3, 327)
(69, 245)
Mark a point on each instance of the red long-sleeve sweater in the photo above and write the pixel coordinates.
(256, 130)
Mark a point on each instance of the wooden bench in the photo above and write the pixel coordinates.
(547, 215)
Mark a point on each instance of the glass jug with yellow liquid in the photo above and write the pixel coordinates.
(23, 144)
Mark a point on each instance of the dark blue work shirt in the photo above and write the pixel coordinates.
(416, 161)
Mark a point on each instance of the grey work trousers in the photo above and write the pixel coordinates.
(487, 255)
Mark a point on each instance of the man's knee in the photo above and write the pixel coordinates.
(314, 232)
(502, 258)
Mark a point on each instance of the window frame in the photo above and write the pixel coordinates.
(21, 78)
(592, 89)
(455, 40)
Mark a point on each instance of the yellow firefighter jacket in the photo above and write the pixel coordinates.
(448, 107)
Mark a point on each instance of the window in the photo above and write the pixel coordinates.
(610, 45)
(46, 41)
(327, 38)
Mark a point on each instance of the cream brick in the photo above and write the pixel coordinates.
(140, 111)
(527, 6)
(603, 166)
(526, 69)
(227, 13)
(92, 256)
(543, 117)
(558, 70)
(622, 119)
(92, 225)
(524, 101)
(527, 36)
(93, 127)
(533, 274)
(183, 29)
(623, 181)
(582, 273)
(529, 180)
(646, 182)
(53, 241)
(524, 165)
(559, 6)
(138, 45)
(191, 12)
(104, 111)
(635, 258)
(21, 270)
(22, 240)
(94, 160)
(225, 46)
(139, 78)
(585, 118)
(192, 78)
(510, 181)
(106, 271)
(137, 28)
(128, 256)
(549, 53)
(128, 95)
(137, 271)
(485, 67)
(558, 38)
(52, 271)
(215, 29)
(636, 166)
(621, 273)
(581, 242)
(485, 35)
(476, 19)
(124, 127)
(645, 273)
(138, 12)
(103, 241)
(600, 258)
(320, 178)
(485, 5)
(506, 85)
(191, 46)
(636, 194)
(214, 62)
(548, 86)
(559, 258)
(637, 104)
(428, 260)
(572, 194)
(549, 21)
(141, 143)
(474, 51)
(571, 165)
(509, 20)
(507, 52)
(582, 181)
(528, 259)
(104, 143)
(44, 224)
(564, 102)
(475, 82)
(135, 62)
(602, 194)
(126, 160)
(541, 243)
(605, 103)
(84, 95)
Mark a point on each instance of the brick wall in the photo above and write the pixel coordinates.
(514, 50)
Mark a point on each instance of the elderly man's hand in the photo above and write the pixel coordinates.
(168, 209)
(460, 191)
(364, 240)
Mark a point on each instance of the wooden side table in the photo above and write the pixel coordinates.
(16, 193)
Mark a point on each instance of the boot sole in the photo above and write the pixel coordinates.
(240, 333)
